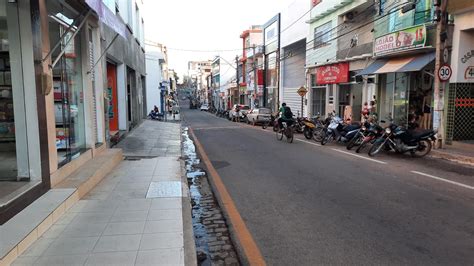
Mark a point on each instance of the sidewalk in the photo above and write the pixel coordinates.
(138, 215)
(460, 152)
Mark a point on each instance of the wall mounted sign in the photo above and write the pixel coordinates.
(406, 39)
(332, 74)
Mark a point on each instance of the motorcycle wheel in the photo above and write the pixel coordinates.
(376, 148)
(325, 139)
(308, 133)
(279, 135)
(356, 139)
(318, 134)
(361, 146)
(289, 135)
(424, 147)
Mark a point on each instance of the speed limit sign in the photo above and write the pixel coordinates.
(444, 72)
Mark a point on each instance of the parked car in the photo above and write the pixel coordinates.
(243, 110)
(204, 107)
(259, 115)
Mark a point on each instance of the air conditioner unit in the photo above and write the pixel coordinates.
(348, 17)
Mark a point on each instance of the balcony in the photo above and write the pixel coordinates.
(327, 7)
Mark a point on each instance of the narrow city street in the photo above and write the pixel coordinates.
(306, 204)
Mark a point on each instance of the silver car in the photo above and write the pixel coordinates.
(259, 115)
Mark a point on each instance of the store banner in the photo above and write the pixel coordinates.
(332, 74)
(406, 39)
(108, 17)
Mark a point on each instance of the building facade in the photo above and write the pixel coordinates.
(54, 104)
(460, 96)
(251, 67)
(293, 34)
(271, 42)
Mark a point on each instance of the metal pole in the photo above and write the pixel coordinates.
(302, 99)
(255, 72)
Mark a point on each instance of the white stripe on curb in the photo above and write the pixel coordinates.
(359, 156)
(444, 180)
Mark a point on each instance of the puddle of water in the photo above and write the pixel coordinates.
(194, 174)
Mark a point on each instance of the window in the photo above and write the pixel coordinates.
(322, 34)
(137, 23)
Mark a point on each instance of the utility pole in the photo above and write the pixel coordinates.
(439, 85)
(237, 76)
(254, 58)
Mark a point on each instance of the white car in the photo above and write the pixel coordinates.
(259, 115)
(204, 107)
(243, 110)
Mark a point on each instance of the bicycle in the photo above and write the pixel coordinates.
(287, 131)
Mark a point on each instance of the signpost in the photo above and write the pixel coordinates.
(302, 92)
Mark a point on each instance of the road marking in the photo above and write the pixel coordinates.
(251, 250)
(210, 128)
(309, 142)
(444, 180)
(359, 156)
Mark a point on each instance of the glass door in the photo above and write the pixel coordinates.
(67, 84)
(400, 109)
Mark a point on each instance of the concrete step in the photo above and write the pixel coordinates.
(17, 234)
(92, 172)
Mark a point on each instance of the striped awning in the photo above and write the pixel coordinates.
(403, 64)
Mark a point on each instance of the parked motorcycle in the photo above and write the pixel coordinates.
(402, 140)
(339, 131)
(373, 132)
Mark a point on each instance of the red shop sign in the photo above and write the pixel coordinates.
(331, 74)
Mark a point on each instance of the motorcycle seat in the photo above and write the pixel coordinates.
(351, 127)
(422, 133)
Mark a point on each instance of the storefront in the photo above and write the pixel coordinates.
(19, 140)
(405, 88)
(293, 75)
(460, 98)
(404, 74)
(331, 91)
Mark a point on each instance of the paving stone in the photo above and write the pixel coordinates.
(231, 261)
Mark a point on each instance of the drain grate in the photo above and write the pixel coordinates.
(137, 157)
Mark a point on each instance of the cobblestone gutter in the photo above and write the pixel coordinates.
(213, 243)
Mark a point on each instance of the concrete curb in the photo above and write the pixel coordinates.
(452, 157)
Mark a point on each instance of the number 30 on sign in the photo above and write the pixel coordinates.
(444, 72)
(469, 74)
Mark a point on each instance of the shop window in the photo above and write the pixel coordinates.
(322, 35)
(8, 152)
(67, 85)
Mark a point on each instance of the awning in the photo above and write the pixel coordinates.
(108, 17)
(404, 64)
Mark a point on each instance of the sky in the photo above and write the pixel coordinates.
(204, 25)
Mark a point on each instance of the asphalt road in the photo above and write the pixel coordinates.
(306, 204)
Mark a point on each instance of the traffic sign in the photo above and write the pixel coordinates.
(469, 73)
(302, 91)
(445, 55)
(444, 72)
